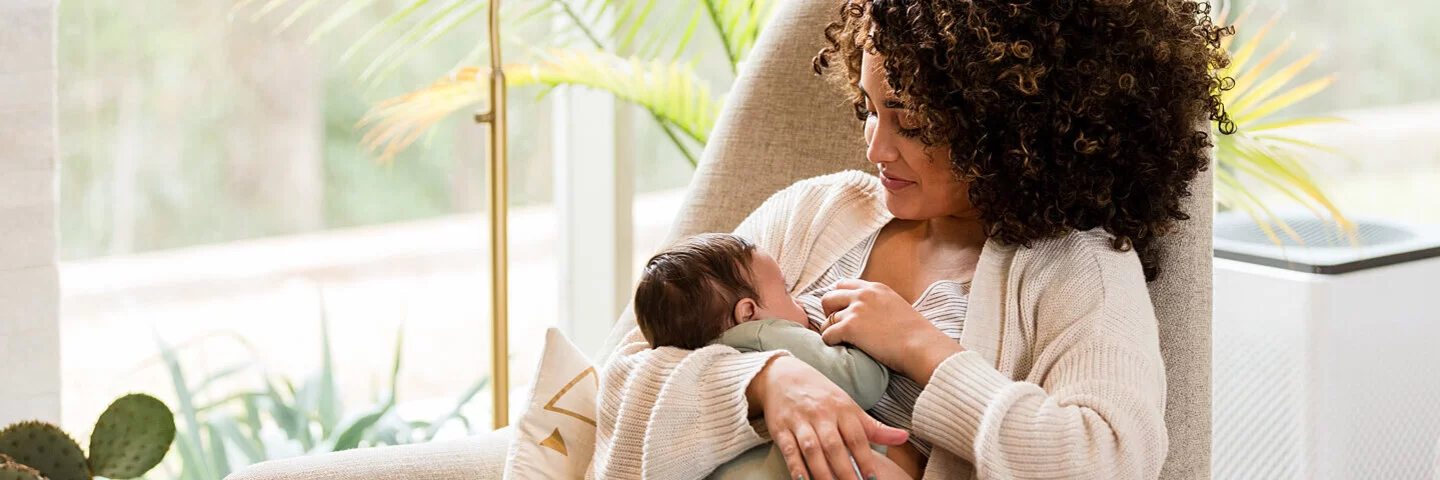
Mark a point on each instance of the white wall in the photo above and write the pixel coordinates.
(29, 317)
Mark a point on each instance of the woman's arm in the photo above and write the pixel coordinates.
(1093, 403)
(668, 413)
(1095, 408)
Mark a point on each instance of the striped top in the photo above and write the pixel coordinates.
(943, 303)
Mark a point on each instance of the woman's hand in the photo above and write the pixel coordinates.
(816, 425)
(874, 318)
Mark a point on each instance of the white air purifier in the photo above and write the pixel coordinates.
(1326, 353)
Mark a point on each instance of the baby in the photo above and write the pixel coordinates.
(718, 288)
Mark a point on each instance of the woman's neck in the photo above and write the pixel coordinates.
(952, 231)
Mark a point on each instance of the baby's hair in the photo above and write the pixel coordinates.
(687, 293)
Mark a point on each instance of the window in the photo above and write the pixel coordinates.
(216, 193)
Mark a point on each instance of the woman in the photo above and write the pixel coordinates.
(1029, 154)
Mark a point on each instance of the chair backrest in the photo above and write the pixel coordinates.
(782, 123)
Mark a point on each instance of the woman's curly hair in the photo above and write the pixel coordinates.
(1061, 115)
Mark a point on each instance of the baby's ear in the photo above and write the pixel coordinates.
(745, 310)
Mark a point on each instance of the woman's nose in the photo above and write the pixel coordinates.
(881, 148)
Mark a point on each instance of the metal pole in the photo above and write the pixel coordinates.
(498, 182)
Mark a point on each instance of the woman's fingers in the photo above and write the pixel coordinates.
(837, 300)
(791, 450)
(883, 434)
(811, 449)
(854, 433)
(851, 284)
(836, 451)
(835, 333)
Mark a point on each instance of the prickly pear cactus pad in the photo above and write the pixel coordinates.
(131, 437)
(10, 470)
(46, 448)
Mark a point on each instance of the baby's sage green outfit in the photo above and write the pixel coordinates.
(863, 378)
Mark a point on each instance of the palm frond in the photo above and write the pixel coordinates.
(671, 92)
(738, 22)
(1272, 159)
(420, 36)
(396, 123)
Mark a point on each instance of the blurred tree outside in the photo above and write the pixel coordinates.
(180, 126)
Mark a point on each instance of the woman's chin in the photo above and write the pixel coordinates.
(902, 208)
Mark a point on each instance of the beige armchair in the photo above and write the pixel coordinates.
(781, 124)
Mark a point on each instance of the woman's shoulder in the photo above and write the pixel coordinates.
(849, 193)
(842, 182)
(1086, 260)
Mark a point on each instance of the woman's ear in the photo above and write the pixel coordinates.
(745, 310)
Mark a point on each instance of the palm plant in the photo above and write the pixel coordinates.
(640, 51)
(1258, 148)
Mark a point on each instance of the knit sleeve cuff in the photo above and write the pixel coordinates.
(723, 387)
(721, 413)
(951, 409)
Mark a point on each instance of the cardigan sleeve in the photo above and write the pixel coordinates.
(1092, 405)
(667, 413)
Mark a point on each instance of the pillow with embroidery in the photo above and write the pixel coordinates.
(555, 436)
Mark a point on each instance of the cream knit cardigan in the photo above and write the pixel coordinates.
(1062, 377)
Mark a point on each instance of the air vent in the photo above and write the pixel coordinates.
(1323, 247)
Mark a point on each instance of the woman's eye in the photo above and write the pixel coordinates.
(909, 132)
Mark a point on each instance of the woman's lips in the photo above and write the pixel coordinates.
(893, 183)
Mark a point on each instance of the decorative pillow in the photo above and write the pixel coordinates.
(555, 437)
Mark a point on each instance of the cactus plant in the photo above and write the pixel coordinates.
(130, 438)
(12, 470)
(46, 448)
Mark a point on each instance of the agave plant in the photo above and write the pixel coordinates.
(1258, 148)
(640, 51)
(222, 430)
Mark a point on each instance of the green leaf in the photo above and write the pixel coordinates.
(250, 446)
(1290, 97)
(290, 419)
(389, 57)
(224, 373)
(1272, 83)
(297, 14)
(351, 435)
(433, 35)
(1307, 144)
(384, 25)
(186, 402)
(333, 21)
(660, 87)
(195, 465)
(1293, 123)
(329, 394)
(395, 367)
(217, 452)
(460, 403)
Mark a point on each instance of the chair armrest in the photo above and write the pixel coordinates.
(479, 457)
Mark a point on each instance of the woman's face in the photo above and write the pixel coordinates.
(918, 181)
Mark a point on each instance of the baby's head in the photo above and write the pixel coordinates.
(701, 286)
